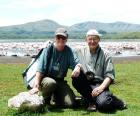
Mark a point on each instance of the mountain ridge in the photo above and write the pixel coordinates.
(47, 27)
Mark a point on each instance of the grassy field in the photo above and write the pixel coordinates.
(127, 87)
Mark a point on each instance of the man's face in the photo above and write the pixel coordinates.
(93, 41)
(60, 42)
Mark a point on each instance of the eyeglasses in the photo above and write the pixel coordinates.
(93, 38)
(61, 37)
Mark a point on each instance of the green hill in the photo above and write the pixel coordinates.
(46, 29)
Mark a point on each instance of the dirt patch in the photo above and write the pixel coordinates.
(26, 60)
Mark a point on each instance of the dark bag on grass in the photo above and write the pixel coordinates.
(30, 72)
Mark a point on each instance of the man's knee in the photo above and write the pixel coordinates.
(78, 81)
(104, 102)
(74, 82)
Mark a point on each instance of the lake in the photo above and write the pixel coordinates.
(26, 47)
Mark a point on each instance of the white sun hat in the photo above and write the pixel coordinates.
(93, 32)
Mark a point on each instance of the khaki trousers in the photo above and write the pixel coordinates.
(57, 92)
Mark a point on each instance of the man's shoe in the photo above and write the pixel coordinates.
(91, 107)
(119, 104)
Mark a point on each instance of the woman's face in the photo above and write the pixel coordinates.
(93, 41)
(60, 42)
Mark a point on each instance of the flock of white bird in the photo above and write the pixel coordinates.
(32, 48)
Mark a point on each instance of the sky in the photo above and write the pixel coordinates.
(69, 12)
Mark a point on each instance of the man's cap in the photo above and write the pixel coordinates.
(61, 31)
(93, 32)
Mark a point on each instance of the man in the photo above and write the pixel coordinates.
(53, 84)
(97, 75)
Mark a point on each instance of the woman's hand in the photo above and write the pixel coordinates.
(37, 82)
(34, 91)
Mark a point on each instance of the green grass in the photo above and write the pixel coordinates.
(122, 35)
(127, 87)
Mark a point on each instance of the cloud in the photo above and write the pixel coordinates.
(68, 12)
(104, 11)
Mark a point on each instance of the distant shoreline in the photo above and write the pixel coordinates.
(69, 40)
(27, 60)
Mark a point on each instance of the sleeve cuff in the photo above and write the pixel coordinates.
(41, 71)
(110, 76)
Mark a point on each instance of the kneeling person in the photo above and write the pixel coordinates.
(53, 84)
(97, 75)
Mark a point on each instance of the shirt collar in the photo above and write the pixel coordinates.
(97, 50)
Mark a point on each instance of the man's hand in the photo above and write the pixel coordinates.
(97, 91)
(102, 87)
(76, 71)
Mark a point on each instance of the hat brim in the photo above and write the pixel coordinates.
(94, 35)
(61, 34)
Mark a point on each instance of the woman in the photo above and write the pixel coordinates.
(50, 78)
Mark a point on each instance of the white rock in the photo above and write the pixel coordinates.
(25, 97)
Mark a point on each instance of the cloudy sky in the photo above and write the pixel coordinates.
(68, 12)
